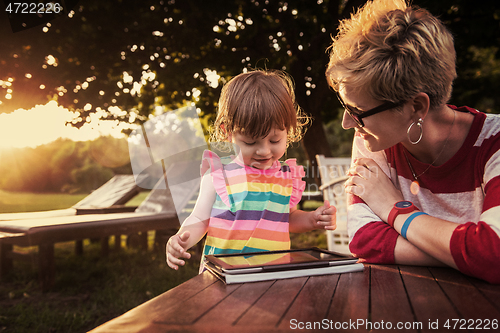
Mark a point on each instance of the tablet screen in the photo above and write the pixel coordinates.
(273, 258)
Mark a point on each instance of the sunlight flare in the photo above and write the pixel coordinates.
(46, 123)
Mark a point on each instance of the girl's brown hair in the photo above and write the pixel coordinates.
(253, 103)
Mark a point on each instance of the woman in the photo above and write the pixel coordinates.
(424, 187)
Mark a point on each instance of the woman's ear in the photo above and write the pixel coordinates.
(421, 105)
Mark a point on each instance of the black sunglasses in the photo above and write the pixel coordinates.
(358, 117)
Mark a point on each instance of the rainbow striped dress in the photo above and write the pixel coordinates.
(252, 206)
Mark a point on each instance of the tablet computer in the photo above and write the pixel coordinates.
(272, 261)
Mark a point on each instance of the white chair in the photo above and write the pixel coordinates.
(333, 171)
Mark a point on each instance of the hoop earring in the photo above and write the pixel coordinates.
(419, 124)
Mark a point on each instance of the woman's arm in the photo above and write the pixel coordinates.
(428, 237)
(377, 241)
(428, 241)
(473, 248)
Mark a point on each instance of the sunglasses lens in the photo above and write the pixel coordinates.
(352, 114)
(355, 118)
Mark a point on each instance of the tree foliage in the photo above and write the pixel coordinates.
(127, 59)
(63, 165)
(141, 55)
(475, 26)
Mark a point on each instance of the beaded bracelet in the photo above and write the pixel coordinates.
(404, 228)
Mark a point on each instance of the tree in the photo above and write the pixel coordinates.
(123, 59)
(141, 55)
(64, 165)
(476, 28)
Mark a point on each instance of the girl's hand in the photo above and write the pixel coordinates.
(176, 248)
(325, 217)
(370, 183)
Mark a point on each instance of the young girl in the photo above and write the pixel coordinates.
(247, 202)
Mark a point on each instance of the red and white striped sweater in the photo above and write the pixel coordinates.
(465, 190)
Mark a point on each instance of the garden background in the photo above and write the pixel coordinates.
(125, 61)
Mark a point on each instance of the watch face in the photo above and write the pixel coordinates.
(404, 204)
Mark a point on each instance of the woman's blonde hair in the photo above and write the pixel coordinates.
(392, 51)
(253, 103)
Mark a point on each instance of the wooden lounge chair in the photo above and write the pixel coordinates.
(332, 171)
(109, 198)
(157, 212)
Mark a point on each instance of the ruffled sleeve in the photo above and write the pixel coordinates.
(297, 173)
(212, 162)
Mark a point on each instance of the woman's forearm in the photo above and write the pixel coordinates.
(406, 253)
(428, 241)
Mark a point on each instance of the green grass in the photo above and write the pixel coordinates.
(136, 201)
(11, 202)
(90, 289)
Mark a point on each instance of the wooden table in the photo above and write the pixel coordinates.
(381, 298)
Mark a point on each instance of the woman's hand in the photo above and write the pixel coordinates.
(370, 183)
(176, 248)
